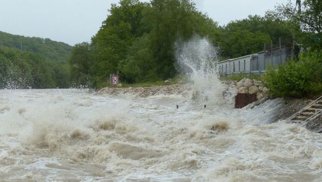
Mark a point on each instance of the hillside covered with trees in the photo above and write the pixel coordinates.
(33, 62)
(138, 40)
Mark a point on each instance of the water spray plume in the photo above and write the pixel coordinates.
(197, 59)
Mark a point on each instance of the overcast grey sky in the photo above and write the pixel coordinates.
(75, 21)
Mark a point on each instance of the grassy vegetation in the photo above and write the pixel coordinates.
(300, 78)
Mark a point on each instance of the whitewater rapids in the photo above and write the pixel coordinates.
(77, 135)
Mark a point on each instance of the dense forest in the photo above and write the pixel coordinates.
(137, 39)
(33, 62)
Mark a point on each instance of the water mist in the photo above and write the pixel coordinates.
(197, 58)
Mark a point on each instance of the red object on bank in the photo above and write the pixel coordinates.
(242, 100)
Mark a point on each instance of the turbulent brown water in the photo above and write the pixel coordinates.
(75, 135)
(141, 135)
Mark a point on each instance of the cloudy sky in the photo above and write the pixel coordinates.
(75, 21)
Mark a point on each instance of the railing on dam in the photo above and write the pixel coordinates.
(255, 63)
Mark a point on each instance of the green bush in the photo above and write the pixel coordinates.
(297, 78)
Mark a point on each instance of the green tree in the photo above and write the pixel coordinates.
(310, 13)
(310, 16)
(253, 34)
(172, 21)
(139, 65)
(80, 62)
(307, 15)
(32, 62)
(115, 37)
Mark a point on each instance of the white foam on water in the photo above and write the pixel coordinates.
(77, 135)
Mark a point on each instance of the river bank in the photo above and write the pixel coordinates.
(148, 91)
(292, 105)
(288, 108)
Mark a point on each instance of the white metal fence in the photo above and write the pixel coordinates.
(254, 63)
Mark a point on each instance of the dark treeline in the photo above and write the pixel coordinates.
(137, 40)
(33, 62)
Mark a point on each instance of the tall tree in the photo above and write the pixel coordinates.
(80, 64)
(310, 15)
(253, 34)
(298, 4)
(174, 20)
(115, 37)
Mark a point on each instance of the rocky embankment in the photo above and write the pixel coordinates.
(249, 86)
(289, 106)
(244, 86)
(148, 91)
